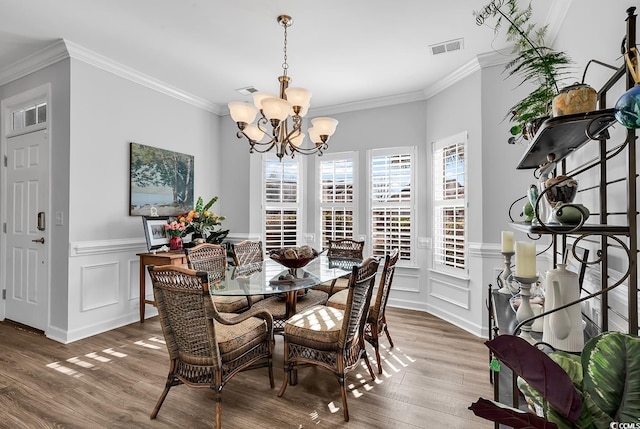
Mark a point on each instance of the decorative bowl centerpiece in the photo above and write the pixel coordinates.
(294, 257)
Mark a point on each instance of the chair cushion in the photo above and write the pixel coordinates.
(234, 340)
(230, 304)
(319, 325)
(339, 300)
(341, 284)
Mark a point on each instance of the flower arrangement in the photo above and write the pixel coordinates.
(203, 222)
(175, 229)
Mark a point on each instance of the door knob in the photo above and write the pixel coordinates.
(39, 240)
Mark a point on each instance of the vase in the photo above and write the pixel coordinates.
(563, 329)
(175, 243)
(578, 98)
(627, 108)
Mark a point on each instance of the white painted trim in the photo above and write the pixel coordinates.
(80, 53)
(34, 62)
(63, 49)
(99, 247)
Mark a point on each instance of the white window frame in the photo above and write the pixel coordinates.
(298, 205)
(353, 206)
(405, 261)
(439, 203)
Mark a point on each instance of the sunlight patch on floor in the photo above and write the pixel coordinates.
(97, 357)
(147, 345)
(79, 362)
(157, 340)
(114, 353)
(64, 369)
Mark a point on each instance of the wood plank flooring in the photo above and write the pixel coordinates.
(113, 380)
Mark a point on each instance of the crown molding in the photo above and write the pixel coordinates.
(80, 53)
(63, 49)
(32, 63)
(555, 17)
(372, 103)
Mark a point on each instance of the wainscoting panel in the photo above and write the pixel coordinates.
(450, 292)
(99, 285)
(133, 275)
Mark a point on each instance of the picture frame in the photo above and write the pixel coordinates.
(155, 232)
(578, 266)
(161, 181)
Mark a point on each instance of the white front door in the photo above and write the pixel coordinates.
(28, 224)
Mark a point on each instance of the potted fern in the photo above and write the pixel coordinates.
(534, 62)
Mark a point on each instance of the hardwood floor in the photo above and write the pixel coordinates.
(113, 380)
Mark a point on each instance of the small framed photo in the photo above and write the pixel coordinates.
(155, 232)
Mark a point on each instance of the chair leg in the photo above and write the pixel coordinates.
(343, 392)
(218, 400)
(271, 346)
(154, 413)
(287, 369)
(377, 349)
(373, 340)
(386, 331)
(366, 360)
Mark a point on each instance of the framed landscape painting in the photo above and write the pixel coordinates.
(161, 181)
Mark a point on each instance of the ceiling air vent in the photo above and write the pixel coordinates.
(248, 90)
(449, 46)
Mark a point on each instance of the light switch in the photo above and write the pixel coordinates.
(59, 218)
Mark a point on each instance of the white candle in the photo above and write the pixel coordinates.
(526, 259)
(507, 241)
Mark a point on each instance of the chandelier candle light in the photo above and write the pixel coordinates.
(282, 113)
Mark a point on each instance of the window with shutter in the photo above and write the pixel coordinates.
(336, 197)
(392, 206)
(281, 203)
(449, 244)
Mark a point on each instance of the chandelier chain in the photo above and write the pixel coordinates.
(285, 65)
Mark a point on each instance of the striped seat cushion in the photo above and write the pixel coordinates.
(318, 324)
(234, 340)
(230, 304)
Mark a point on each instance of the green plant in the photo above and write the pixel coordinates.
(201, 220)
(534, 62)
(589, 391)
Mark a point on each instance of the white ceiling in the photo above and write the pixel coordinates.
(344, 51)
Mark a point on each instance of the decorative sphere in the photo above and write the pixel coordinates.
(627, 108)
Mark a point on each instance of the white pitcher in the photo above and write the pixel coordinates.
(564, 328)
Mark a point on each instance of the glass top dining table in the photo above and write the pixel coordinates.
(269, 277)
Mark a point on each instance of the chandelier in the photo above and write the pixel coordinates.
(283, 114)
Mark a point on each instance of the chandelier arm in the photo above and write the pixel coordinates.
(255, 146)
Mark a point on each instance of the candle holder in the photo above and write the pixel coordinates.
(508, 288)
(524, 310)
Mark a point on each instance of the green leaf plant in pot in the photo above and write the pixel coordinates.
(534, 62)
(592, 390)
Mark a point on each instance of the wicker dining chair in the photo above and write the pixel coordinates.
(330, 338)
(248, 253)
(345, 250)
(206, 348)
(213, 258)
(376, 321)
